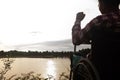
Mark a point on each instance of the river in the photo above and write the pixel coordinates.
(43, 66)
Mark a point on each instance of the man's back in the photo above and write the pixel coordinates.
(106, 50)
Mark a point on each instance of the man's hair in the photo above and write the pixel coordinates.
(110, 2)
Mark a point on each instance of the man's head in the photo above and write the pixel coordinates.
(107, 6)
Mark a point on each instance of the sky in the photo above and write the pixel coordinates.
(41, 24)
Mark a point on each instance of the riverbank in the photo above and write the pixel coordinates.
(34, 54)
(44, 54)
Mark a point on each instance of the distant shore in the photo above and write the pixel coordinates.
(38, 54)
(34, 54)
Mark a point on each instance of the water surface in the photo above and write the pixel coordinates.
(43, 66)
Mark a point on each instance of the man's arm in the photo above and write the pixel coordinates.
(78, 35)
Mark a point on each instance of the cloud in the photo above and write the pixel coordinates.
(61, 45)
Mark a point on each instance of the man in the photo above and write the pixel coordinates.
(103, 32)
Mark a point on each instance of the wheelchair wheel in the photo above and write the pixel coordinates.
(85, 71)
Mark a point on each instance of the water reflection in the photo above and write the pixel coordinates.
(51, 68)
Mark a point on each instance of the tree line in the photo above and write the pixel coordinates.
(39, 54)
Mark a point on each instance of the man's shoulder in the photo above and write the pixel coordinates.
(113, 16)
(102, 17)
(109, 16)
(104, 20)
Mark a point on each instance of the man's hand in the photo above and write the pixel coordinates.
(80, 16)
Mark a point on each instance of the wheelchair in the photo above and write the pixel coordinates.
(82, 69)
(85, 70)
